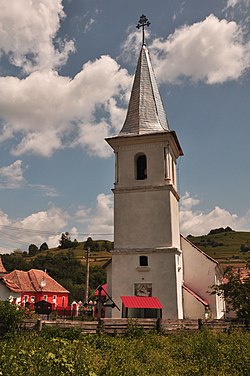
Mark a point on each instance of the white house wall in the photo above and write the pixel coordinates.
(5, 293)
(200, 273)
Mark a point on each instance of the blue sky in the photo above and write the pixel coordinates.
(66, 69)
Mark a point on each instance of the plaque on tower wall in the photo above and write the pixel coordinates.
(143, 289)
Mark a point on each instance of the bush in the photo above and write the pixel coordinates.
(10, 317)
(55, 332)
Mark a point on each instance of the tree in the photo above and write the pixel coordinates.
(33, 250)
(89, 243)
(236, 291)
(65, 241)
(43, 247)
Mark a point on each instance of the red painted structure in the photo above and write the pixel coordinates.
(36, 285)
(146, 302)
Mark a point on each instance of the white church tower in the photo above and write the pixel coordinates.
(154, 271)
(147, 259)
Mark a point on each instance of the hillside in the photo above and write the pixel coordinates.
(68, 265)
(225, 245)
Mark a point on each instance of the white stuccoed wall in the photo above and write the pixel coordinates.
(5, 293)
(161, 272)
(200, 273)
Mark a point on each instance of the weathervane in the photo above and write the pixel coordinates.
(143, 21)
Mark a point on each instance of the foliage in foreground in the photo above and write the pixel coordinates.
(236, 291)
(204, 353)
(10, 317)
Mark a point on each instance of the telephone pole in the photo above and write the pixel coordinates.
(87, 276)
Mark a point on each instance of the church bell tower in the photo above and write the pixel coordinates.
(147, 254)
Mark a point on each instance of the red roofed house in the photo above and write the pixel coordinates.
(32, 286)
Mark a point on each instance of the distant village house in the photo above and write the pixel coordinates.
(24, 288)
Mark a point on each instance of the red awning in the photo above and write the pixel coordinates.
(141, 302)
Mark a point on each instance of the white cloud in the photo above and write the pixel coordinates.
(12, 176)
(4, 219)
(46, 190)
(43, 144)
(131, 46)
(213, 51)
(102, 220)
(28, 30)
(188, 202)
(234, 3)
(82, 215)
(91, 136)
(49, 112)
(117, 114)
(197, 222)
(52, 219)
(37, 228)
(89, 25)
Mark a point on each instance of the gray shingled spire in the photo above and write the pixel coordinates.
(145, 111)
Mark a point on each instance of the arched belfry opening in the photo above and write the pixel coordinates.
(141, 167)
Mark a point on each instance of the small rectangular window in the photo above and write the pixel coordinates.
(143, 260)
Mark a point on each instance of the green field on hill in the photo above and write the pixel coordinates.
(227, 247)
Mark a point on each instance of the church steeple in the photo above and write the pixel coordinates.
(146, 211)
(146, 113)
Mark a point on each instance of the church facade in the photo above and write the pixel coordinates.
(154, 271)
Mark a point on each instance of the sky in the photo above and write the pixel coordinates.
(66, 70)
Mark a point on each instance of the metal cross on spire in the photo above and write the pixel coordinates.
(143, 21)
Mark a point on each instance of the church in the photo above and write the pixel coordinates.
(154, 270)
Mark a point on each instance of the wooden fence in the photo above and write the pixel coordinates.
(123, 326)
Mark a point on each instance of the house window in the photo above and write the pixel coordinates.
(141, 167)
(26, 298)
(54, 298)
(63, 301)
(143, 260)
(32, 299)
(45, 297)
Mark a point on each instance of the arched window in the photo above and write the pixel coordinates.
(141, 167)
(143, 260)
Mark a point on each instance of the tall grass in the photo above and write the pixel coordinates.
(204, 353)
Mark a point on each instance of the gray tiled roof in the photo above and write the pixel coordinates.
(145, 111)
